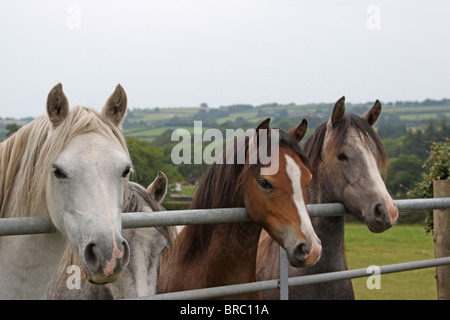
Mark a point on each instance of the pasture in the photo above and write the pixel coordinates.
(401, 243)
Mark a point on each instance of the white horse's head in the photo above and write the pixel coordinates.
(85, 181)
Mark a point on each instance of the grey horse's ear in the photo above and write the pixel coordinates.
(299, 132)
(372, 115)
(116, 106)
(57, 105)
(338, 111)
(158, 188)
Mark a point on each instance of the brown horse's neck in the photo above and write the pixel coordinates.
(213, 255)
(232, 255)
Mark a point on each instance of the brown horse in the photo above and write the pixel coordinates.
(347, 156)
(223, 254)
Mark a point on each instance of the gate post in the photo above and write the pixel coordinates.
(441, 224)
(284, 274)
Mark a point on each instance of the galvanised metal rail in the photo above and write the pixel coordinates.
(38, 225)
(222, 291)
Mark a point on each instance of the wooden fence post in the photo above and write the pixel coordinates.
(441, 222)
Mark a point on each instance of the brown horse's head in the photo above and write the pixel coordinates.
(275, 199)
(347, 156)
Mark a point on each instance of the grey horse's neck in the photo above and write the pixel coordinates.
(329, 229)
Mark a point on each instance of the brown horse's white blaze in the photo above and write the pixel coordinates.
(308, 251)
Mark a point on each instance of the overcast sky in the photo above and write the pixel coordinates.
(186, 52)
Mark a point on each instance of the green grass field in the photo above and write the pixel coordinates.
(402, 243)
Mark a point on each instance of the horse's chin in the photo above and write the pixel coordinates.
(375, 227)
(101, 279)
(374, 230)
(371, 224)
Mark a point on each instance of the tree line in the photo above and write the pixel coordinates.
(406, 149)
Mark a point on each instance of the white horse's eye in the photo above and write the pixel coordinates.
(59, 173)
(126, 172)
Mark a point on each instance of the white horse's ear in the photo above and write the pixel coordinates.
(299, 132)
(338, 111)
(372, 115)
(116, 106)
(57, 105)
(158, 188)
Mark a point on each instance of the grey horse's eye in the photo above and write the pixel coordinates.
(342, 157)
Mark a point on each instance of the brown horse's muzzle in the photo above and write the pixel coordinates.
(303, 253)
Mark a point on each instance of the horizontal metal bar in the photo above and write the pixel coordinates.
(423, 204)
(215, 292)
(29, 225)
(37, 225)
(183, 217)
(358, 273)
(223, 291)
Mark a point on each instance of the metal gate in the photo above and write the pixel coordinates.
(37, 225)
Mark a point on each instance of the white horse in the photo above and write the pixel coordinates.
(72, 165)
(146, 244)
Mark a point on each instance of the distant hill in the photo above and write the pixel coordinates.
(149, 123)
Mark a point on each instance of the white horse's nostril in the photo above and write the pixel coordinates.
(91, 257)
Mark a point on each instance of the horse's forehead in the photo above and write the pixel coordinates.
(293, 164)
(352, 138)
(357, 144)
(93, 147)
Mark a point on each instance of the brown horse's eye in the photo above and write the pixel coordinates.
(342, 157)
(265, 184)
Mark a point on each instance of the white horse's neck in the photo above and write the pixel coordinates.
(31, 260)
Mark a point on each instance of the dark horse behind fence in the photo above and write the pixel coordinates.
(346, 157)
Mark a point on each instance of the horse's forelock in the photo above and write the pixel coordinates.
(314, 145)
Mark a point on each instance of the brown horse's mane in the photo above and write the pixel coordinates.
(313, 147)
(221, 187)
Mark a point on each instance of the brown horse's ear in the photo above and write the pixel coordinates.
(57, 105)
(299, 132)
(263, 125)
(116, 106)
(372, 115)
(158, 188)
(338, 111)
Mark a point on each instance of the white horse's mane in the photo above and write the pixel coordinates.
(26, 158)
